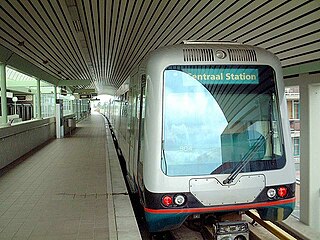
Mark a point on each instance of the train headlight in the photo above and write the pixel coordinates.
(167, 200)
(179, 199)
(271, 193)
(221, 54)
(282, 192)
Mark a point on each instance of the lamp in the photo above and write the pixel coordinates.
(15, 99)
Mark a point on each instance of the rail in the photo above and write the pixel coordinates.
(27, 130)
(271, 227)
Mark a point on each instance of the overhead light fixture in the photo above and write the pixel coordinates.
(21, 43)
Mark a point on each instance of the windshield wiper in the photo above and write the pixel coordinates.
(245, 159)
(164, 157)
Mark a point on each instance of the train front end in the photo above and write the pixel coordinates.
(219, 138)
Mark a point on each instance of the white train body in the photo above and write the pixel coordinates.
(204, 129)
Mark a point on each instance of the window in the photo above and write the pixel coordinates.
(47, 100)
(296, 109)
(296, 146)
(211, 124)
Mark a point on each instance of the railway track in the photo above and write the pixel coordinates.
(258, 230)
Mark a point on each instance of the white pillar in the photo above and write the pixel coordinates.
(55, 97)
(310, 152)
(314, 187)
(4, 110)
(39, 114)
(304, 154)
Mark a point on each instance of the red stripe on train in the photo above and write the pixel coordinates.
(221, 208)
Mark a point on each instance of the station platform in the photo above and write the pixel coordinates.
(70, 188)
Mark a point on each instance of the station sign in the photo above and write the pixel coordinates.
(213, 75)
(64, 91)
(85, 96)
(9, 94)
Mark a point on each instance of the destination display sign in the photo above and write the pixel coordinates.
(223, 75)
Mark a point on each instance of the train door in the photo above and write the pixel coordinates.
(140, 144)
(134, 92)
(137, 120)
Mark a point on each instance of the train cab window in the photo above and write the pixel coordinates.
(215, 116)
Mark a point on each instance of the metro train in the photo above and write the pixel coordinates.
(204, 130)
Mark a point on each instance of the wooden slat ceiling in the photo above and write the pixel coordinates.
(102, 40)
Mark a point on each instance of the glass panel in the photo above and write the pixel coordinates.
(296, 109)
(47, 100)
(24, 88)
(211, 124)
(191, 144)
(296, 146)
(67, 104)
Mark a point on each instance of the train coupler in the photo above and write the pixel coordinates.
(238, 230)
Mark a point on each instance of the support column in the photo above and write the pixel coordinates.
(314, 165)
(4, 109)
(55, 97)
(39, 114)
(304, 154)
(77, 110)
(310, 152)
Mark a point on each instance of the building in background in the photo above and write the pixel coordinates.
(293, 102)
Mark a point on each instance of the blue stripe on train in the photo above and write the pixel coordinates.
(166, 221)
(162, 222)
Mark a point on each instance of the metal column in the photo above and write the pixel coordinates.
(4, 110)
(39, 114)
(55, 98)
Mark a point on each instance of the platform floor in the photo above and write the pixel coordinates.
(63, 190)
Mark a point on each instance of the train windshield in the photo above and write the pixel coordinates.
(214, 117)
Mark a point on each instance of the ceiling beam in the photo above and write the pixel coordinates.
(74, 83)
(84, 91)
(302, 68)
(22, 65)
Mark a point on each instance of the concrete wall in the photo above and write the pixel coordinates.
(19, 139)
